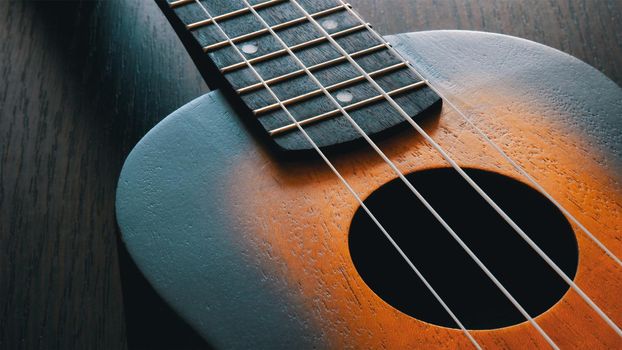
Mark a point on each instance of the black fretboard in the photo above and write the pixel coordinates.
(201, 24)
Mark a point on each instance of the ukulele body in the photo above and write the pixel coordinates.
(252, 250)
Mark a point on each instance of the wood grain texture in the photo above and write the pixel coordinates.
(81, 82)
(586, 29)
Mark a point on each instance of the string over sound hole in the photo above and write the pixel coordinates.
(476, 301)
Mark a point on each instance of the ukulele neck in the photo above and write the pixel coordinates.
(303, 52)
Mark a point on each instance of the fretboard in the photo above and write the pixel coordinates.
(211, 28)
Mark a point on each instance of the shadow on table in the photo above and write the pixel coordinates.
(128, 68)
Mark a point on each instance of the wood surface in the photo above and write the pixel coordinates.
(83, 81)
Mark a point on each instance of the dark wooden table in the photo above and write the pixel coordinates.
(81, 82)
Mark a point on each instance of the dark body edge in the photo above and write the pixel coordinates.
(174, 212)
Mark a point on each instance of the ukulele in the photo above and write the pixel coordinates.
(341, 189)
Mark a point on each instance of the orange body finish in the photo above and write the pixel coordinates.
(298, 214)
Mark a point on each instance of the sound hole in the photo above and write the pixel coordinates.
(471, 295)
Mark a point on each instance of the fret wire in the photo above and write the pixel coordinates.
(231, 14)
(279, 26)
(347, 108)
(339, 85)
(178, 3)
(313, 68)
(282, 52)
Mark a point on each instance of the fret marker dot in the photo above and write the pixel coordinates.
(330, 24)
(249, 48)
(344, 96)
